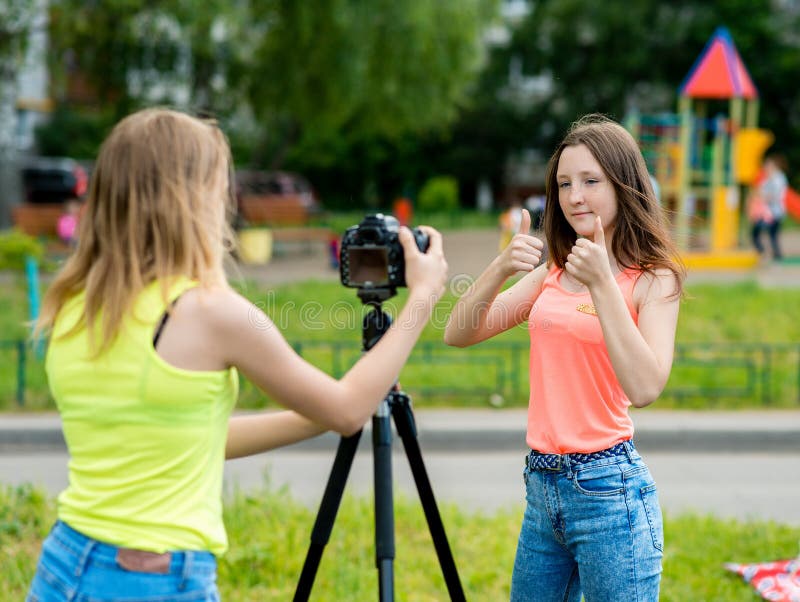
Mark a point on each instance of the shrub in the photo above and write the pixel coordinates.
(15, 246)
(439, 194)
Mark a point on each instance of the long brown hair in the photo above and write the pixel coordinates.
(641, 237)
(155, 209)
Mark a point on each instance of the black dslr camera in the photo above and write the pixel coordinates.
(371, 255)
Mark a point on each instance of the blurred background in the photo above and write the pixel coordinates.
(356, 104)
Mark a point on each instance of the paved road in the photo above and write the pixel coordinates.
(744, 486)
(730, 464)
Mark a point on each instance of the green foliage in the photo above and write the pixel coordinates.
(331, 88)
(439, 194)
(16, 19)
(72, 133)
(15, 246)
(26, 515)
(269, 534)
(342, 69)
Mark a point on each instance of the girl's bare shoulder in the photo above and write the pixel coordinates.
(217, 306)
(660, 284)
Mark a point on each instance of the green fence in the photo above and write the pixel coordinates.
(14, 357)
(703, 375)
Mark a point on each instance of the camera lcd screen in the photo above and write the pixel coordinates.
(368, 266)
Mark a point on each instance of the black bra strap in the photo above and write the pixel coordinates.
(163, 321)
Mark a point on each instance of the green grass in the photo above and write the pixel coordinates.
(269, 534)
(726, 325)
(341, 220)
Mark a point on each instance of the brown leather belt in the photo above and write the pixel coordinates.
(141, 561)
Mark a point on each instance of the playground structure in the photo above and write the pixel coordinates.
(704, 158)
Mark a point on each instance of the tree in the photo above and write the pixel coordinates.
(323, 81)
(336, 74)
(16, 19)
(168, 51)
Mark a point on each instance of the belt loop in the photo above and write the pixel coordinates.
(84, 559)
(566, 462)
(188, 557)
(628, 447)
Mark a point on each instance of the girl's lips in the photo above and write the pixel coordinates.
(580, 214)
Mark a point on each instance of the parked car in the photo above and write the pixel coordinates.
(53, 179)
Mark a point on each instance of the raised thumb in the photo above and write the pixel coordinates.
(599, 234)
(525, 222)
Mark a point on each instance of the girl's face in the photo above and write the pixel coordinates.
(584, 191)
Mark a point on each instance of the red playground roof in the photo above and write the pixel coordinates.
(719, 71)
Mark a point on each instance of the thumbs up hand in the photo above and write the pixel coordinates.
(588, 261)
(524, 251)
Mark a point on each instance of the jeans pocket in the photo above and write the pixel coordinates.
(599, 481)
(654, 518)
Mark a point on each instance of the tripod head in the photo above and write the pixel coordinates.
(376, 322)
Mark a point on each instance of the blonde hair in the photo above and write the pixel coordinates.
(156, 209)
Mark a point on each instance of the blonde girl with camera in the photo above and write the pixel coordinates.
(146, 343)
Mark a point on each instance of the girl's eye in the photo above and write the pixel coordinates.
(564, 185)
(591, 181)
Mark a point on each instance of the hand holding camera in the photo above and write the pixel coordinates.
(377, 256)
(425, 272)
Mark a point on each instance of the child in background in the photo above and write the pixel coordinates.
(67, 226)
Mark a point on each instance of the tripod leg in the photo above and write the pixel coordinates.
(384, 502)
(406, 428)
(326, 515)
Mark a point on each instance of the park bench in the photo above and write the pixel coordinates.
(41, 220)
(287, 216)
(37, 219)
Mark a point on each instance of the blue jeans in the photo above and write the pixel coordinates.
(592, 528)
(76, 568)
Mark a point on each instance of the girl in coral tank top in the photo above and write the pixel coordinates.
(602, 314)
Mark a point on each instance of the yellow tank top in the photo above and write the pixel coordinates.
(576, 402)
(146, 439)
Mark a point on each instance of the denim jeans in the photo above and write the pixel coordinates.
(592, 528)
(76, 568)
(772, 228)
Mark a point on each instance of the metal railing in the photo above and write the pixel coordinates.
(760, 374)
(19, 348)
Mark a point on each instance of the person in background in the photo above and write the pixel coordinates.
(510, 221)
(602, 314)
(535, 205)
(403, 210)
(771, 190)
(146, 342)
(67, 225)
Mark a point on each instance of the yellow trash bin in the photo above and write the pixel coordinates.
(255, 245)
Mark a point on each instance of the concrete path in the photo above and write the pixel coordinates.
(731, 464)
(468, 252)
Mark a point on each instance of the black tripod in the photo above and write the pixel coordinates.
(396, 405)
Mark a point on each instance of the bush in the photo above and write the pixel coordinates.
(439, 194)
(15, 246)
(71, 133)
